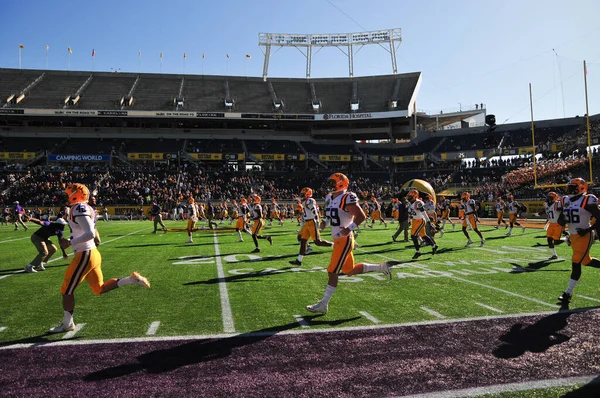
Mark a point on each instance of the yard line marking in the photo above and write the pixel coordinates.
(476, 283)
(369, 317)
(12, 240)
(589, 298)
(225, 304)
(72, 333)
(446, 321)
(153, 328)
(301, 321)
(434, 313)
(490, 308)
(6, 276)
(509, 387)
(3, 328)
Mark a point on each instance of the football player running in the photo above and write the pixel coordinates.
(192, 218)
(259, 223)
(500, 207)
(553, 209)
(470, 219)
(310, 228)
(343, 214)
(513, 210)
(420, 220)
(87, 262)
(578, 209)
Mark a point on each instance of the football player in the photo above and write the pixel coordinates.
(242, 210)
(430, 209)
(192, 218)
(500, 208)
(343, 214)
(87, 262)
(310, 228)
(259, 223)
(513, 209)
(470, 219)
(376, 213)
(19, 216)
(553, 210)
(444, 206)
(578, 209)
(420, 219)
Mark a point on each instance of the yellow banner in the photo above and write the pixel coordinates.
(269, 156)
(412, 158)
(17, 155)
(558, 147)
(335, 158)
(207, 156)
(525, 149)
(145, 156)
(444, 156)
(479, 154)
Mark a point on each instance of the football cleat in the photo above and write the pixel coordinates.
(441, 233)
(434, 249)
(140, 280)
(508, 233)
(416, 255)
(385, 267)
(482, 242)
(257, 250)
(565, 297)
(308, 250)
(319, 307)
(554, 257)
(29, 268)
(40, 267)
(270, 240)
(469, 242)
(496, 227)
(62, 328)
(295, 262)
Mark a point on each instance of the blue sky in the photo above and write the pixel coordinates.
(468, 51)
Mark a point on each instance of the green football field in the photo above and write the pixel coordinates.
(216, 285)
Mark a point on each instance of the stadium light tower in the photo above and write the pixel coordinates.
(345, 42)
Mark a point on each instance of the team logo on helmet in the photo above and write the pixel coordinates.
(338, 182)
(577, 186)
(77, 193)
(306, 192)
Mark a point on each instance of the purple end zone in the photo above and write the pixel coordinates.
(368, 363)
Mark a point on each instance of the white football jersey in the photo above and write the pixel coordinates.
(470, 206)
(257, 212)
(576, 215)
(193, 211)
(311, 210)
(336, 211)
(553, 211)
(82, 230)
(416, 210)
(512, 207)
(430, 207)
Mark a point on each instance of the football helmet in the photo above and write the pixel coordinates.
(77, 193)
(338, 182)
(412, 195)
(577, 186)
(465, 196)
(551, 197)
(306, 192)
(243, 201)
(511, 198)
(373, 199)
(256, 199)
(190, 200)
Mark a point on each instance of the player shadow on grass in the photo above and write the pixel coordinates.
(537, 337)
(199, 351)
(536, 266)
(240, 277)
(145, 245)
(591, 389)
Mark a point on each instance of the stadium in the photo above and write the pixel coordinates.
(221, 320)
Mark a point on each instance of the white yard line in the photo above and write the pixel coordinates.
(71, 334)
(153, 328)
(490, 308)
(434, 313)
(301, 321)
(12, 240)
(588, 298)
(369, 317)
(228, 326)
(510, 387)
(292, 332)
